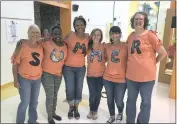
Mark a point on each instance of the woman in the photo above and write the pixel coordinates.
(27, 71)
(74, 68)
(141, 67)
(95, 70)
(114, 75)
(55, 52)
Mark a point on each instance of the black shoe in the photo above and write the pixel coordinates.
(70, 113)
(57, 117)
(51, 121)
(76, 113)
(138, 122)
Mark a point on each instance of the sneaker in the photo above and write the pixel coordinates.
(89, 116)
(70, 113)
(111, 120)
(76, 113)
(94, 116)
(119, 117)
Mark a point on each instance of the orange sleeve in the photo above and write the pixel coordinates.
(67, 37)
(155, 41)
(129, 37)
(16, 59)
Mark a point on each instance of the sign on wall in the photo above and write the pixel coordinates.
(12, 32)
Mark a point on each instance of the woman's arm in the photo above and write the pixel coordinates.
(15, 75)
(161, 54)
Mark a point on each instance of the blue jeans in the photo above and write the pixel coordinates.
(145, 89)
(74, 78)
(29, 93)
(115, 91)
(95, 85)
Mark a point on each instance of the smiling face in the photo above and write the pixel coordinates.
(34, 33)
(79, 26)
(115, 36)
(97, 36)
(139, 21)
(57, 34)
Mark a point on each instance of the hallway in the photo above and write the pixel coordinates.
(163, 108)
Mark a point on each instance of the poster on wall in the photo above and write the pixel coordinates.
(12, 33)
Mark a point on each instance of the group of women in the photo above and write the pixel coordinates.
(115, 65)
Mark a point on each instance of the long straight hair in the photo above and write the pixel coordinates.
(90, 44)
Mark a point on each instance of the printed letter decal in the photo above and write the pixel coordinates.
(53, 56)
(35, 56)
(97, 53)
(115, 53)
(78, 46)
(135, 45)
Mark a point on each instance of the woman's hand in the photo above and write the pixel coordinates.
(17, 84)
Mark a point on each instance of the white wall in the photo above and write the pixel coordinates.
(121, 15)
(22, 12)
(164, 5)
(100, 15)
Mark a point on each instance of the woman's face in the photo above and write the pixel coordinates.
(115, 36)
(139, 21)
(34, 34)
(96, 37)
(79, 26)
(57, 35)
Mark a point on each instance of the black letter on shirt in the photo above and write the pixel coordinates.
(35, 56)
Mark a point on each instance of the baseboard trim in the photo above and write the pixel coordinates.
(6, 85)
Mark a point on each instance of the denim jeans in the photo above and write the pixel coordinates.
(115, 92)
(95, 85)
(29, 93)
(145, 89)
(74, 78)
(51, 84)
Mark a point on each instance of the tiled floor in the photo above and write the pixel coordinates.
(163, 108)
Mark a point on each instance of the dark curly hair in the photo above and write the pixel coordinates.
(81, 18)
(146, 20)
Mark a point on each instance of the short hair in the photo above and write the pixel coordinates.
(81, 18)
(34, 26)
(146, 20)
(55, 27)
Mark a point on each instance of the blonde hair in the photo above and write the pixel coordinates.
(33, 26)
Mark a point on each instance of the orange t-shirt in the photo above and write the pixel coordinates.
(29, 61)
(54, 57)
(141, 64)
(117, 60)
(76, 51)
(96, 62)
